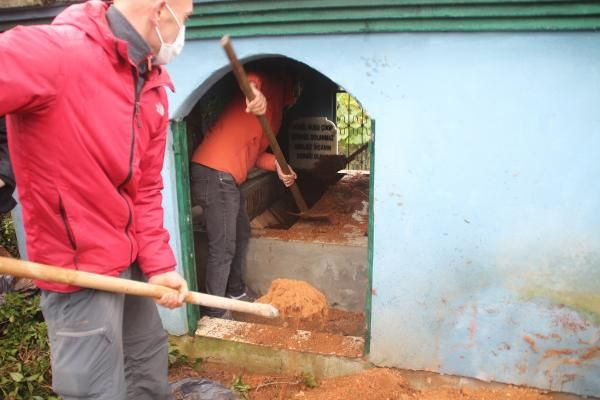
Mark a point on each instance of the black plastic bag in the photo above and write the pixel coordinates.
(201, 389)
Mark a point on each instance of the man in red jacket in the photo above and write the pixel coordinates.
(87, 121)
(220, 164)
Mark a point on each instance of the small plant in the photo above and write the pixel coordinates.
(177, 358)
(8, 237)
(24, 350)
(240, 387)
(308, 380)
(175, 355)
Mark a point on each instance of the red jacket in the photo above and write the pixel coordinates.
(236, 143)
(87, 155)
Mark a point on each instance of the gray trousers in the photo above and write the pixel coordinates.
(227, 228)
(106, 346)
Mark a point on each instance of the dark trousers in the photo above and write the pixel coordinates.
(227, 229)
(106, 346)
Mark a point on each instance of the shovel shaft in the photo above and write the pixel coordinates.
(26, 269)
(242, 78)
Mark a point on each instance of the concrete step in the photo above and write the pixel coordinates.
(271, 349)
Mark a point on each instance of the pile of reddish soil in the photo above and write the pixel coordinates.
(305, 322)
(297, 302)
(346, 203)
(373, 384)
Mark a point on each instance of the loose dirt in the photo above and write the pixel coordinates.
(297, 302)
(346, 203)
(301, 340)
(372, 384)
(305, 323)
(338, 322)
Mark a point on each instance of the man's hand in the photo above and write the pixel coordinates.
(288, 180)
(2, 183)
(258, 106)
(173, 280)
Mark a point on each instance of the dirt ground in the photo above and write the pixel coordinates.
(373, 384)
(346, 203)
(339, 322)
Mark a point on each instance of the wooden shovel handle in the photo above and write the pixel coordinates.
(26, 269)
(242, 78)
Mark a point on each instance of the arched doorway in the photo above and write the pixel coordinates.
(333, 256)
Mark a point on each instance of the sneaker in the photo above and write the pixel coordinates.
(224, 315)
(249, 296)
(227, 315)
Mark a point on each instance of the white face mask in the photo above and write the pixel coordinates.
(168, 52)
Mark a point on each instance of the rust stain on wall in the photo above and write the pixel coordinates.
(557, 353)
(590, 353)
(531, 342)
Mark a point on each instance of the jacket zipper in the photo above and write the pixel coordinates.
(136, 118)
(70, 235)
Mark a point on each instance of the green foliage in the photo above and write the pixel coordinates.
(8, 238)
(240, 387)
(308, 380)
(353, 122)
(24, 350)
(355, 128)
(176, 358)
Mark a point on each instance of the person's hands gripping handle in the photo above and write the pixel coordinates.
(288, 180)
(173, 280)
(258, 105)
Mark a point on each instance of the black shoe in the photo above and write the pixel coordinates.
(227, 315)
(249, 296)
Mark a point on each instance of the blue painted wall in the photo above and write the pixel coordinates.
(487, 201)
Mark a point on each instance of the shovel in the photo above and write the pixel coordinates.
(240, 74)
(26, 269)
(328, 165)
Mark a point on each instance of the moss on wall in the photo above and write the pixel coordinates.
(585, 303)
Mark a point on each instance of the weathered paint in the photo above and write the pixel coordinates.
(484, 190)
(536, 342)
(184, 206)
(586, 303)
(371, 238)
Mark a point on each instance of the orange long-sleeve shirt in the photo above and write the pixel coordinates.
(236, 143)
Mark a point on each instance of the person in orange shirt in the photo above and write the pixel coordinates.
(220, 164)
